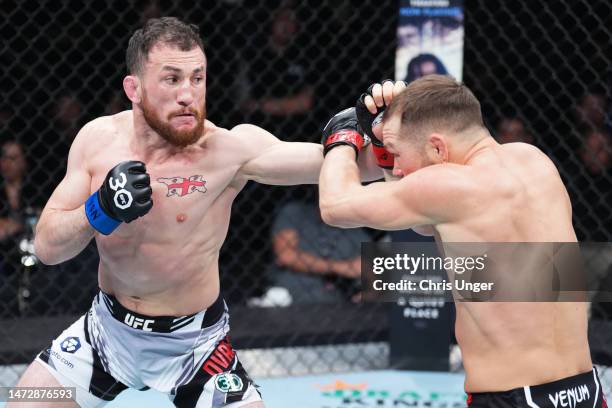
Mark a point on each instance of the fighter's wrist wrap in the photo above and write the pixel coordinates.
(346, 137)
(97, 217)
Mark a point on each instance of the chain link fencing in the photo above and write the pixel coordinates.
(540, 69)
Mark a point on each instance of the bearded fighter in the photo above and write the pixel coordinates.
(154, 187)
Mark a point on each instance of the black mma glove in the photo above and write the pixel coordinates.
(367, 121)
(343, 129)
(124, 196)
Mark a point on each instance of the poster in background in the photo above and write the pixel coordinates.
(429, 39)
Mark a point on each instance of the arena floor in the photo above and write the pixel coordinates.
(362, 388)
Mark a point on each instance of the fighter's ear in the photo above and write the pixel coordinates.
(438, 147)
(133, 89)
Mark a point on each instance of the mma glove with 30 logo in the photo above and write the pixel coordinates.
(124, 196)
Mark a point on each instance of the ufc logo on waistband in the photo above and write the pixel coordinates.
(137, 322)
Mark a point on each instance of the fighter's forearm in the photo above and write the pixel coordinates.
(339, 176)
(61, 235)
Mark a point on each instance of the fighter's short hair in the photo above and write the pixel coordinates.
(167, 30)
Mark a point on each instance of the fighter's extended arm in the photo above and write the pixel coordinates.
(429, 196)
(63, 230)
(288, 163)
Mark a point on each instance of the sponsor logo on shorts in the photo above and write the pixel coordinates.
(70, 345)
(570, 397)
(221, 359)
(228, 382)
(56, 355)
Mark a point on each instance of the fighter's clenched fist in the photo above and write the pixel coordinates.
(124, 196)
(343, 129)
(369, 108)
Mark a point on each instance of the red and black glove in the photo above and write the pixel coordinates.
(343, 129)
(367, 120)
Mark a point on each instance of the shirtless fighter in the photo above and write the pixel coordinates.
(154, 186)
(457, 182)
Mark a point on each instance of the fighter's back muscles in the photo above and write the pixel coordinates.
(430, 196)
(63, 230)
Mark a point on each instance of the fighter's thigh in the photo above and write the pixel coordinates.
(36, 375)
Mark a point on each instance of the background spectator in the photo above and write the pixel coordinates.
(314, 262)
(117, 102)
(281, 92)
(17, 202)
(13, 167)
(595, 153)
(511, 130)
(591, 189)
(591, 112)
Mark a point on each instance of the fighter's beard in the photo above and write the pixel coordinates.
(179, 138)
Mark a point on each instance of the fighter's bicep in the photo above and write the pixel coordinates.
(251, 142)
(272, 161)
(378, 205)
(417, 199)
(74, 188)
(71, 192)
(388, 206)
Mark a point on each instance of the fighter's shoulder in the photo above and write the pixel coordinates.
(214, 132)
(247, 138)
(252, 132)
(218, 137)
(100, 130)
(526, 150)
(530, 155)
(446, 182)
(440, 190)
(443, 175)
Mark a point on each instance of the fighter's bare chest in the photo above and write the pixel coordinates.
(181, 189)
